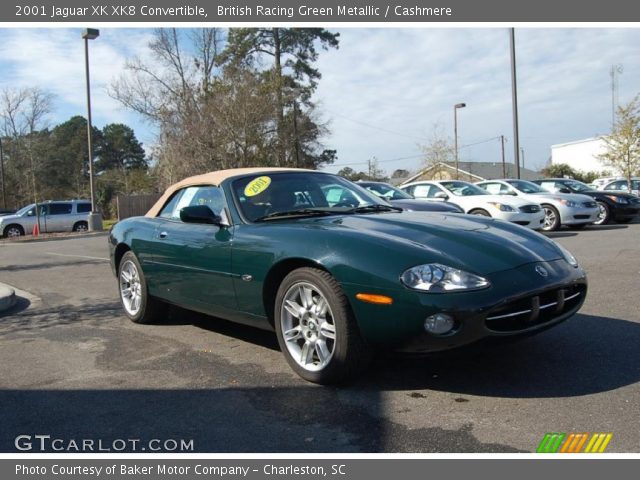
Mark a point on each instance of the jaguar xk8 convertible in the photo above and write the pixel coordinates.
(335, 271)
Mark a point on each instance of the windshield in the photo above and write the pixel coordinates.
(463, 189)
(526, 187)
(301, 193)
(24, 210)
(386, 191)
(577, 186)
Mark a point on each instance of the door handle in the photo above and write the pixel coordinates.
(163, 235)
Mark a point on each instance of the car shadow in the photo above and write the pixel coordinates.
(559, 234)
(607, 227)
(585, 355)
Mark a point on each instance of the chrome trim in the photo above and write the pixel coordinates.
(542, 307)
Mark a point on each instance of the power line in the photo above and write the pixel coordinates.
(368, 125)
(379, 161)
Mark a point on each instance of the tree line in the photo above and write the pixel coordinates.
(216, 98)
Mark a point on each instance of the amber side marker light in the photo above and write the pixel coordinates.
(373, 298)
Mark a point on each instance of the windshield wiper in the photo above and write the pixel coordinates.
(296, 213)
(374, 208)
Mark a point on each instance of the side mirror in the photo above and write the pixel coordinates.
(564, 190)
(199, 214)
(441, 195)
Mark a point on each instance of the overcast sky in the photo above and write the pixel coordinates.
(383, 90)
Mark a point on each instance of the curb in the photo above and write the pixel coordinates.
(7, 297)
(52, 239)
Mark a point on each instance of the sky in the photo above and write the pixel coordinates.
(385, 90)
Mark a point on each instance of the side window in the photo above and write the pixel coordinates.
(83, 207)
(60, 208)
(619, 185)
(433, 191)
(169, 207)
(209, 196)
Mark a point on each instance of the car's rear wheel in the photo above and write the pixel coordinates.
(139, 306)
(551, 219)
(316, 329)
(480, 212)
(604, 214)
(12, 231)
(81, 227)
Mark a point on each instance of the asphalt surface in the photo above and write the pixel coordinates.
(72, 366)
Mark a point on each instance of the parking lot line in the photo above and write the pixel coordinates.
(77, 256)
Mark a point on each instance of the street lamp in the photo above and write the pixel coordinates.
(455, 132)
(95, 220)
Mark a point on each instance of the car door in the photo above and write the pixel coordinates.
(58, 217)
(192, 262)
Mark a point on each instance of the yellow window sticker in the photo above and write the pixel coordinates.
(257, 186)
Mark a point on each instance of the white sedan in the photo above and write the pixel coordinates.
(476, 201)
(571, 209)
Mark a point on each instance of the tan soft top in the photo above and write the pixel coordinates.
(215, 179)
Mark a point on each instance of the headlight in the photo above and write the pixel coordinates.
(568, 256)
(503, 207)
(437, 278)
(617, 199)
(567, 203)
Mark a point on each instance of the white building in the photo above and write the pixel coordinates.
(580, 155)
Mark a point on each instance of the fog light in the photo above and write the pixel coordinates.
(439, 324)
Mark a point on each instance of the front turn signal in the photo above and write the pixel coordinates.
(373, 298)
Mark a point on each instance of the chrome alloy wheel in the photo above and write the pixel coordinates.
(13, 232)
(307, 326)
(549, 218)
(602, 214)
(130, 288)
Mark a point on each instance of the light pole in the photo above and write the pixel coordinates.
(95, 220)
(455, 132)
(514, 100)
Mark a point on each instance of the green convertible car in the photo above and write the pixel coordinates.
(335, 271)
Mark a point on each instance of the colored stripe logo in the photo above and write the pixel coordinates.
(574, 443)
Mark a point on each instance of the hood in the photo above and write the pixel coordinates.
(574, 197)
(426, 206)
(477, 244)
(10, 217)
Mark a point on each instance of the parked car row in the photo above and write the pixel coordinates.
(51, 216)
(545, 204)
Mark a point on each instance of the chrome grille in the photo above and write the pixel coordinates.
(534, 310)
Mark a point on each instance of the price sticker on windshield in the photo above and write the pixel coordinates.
(257, 186)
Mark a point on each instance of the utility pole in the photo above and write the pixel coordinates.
(522, 156)
(514, 101)
(295, 133)
(504, 165)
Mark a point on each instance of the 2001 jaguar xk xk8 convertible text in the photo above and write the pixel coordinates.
(335, 271)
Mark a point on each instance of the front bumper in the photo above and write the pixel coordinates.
(519, 302)
(529, 220)
(621, 211)
(577, 215)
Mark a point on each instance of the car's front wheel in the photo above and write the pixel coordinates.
(604, 214)
(13, 231)
(139, 306)
(316, 329)
(551, 219)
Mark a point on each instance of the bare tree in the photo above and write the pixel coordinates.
(439, 149)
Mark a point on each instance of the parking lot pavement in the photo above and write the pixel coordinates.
(72, 366)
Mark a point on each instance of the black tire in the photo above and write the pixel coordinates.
(351, 355)
(11, 230)
(604, 215)
(551, 219)
(150, 307)
(480, 212)
(81, 227)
